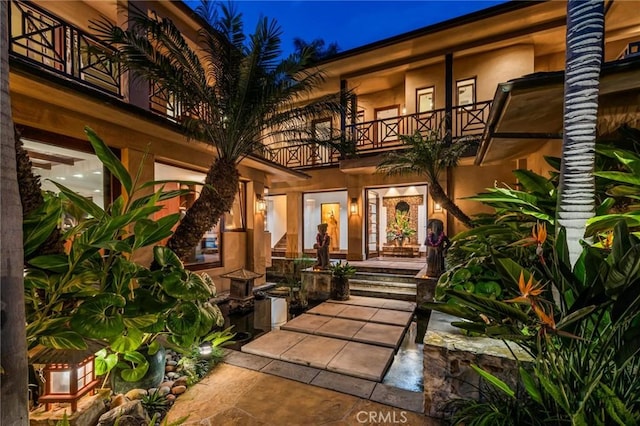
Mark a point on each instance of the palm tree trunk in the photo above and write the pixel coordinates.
(215, 199)
(440, 197)
(576, 203)
(13, 339)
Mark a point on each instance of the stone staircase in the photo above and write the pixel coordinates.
(396, 284)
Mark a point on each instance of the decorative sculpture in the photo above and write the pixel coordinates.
(437, 244)
(322, 247)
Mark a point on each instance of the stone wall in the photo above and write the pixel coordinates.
(448, 355)
(414, 201)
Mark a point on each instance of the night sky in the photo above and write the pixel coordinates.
(351, 23)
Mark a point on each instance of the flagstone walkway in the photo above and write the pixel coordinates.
(357, 337)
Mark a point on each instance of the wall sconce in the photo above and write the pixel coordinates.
(437, 207)
(261, 204)
(353, 207)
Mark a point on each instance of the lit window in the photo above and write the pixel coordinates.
(466, 91)
(425, 99)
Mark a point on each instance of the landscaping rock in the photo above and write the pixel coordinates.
(170, 368)
(118, 400)
(177, 390)
(132, 410)
(172, 363)
(172, 375)
(168, 383)
(134, 394)
(171, 398)
(164, 390)
(180, 381)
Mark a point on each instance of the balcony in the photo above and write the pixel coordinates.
(383, 135)
(47, 42)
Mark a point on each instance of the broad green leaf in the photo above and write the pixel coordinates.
(120, 246)
(139, 367)
(140, 321)
(184, 319)
(110, 160)
(455, 310)
(510, 272)
(554, 162)
(64, 340)
(622, 191)
(604, 207)
(81, 202)
(604, 223)
(38, 225)
(616, 409)
(99, 317)
(629, 348)
(104, 362)
(496, 382)
(623, 177)
(534, 182)
(129, 341)
(153, 347)
(530, 385)
(149, 232)
(158, 196)
(562, 249)
(575, 316)
(553, 390)
(58, 263)
(165, 257)
(493, 308)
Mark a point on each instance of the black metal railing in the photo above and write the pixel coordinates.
(377, 135)
(44, 40)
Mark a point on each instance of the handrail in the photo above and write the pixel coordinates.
(44, 40)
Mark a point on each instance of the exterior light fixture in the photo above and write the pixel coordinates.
(437, 207)
(353, 207)
(68, 374)
(261, 204)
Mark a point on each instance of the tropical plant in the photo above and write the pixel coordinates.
(342, 270)
(428, 156)
(400, 228)
(586, 346)
(234, 94)
(584, 56)
(317, 45)
(96, 290)
(13, 361)
(155, 402)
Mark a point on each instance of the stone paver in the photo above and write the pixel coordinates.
(305, 323)
(328, 309)
(388, 316)
(380, 334)
(373, 302)
(231, 395)
(362, 360)
(397, 397)
(273, 343)
(352, 385)
(398, 305)
(340, 328)
(314, 351)
(246, 360)
(296, 372)
(362, 313)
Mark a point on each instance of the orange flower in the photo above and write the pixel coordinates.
(527, 291)
(539, 232)
(607, 243)
(547, 320)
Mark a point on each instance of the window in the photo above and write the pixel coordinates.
(466, 90)
(234, 218)
(425, 99)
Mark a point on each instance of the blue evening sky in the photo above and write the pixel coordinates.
(351, 23)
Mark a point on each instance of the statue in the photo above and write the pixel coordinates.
(322, 246)
(332, 230)
(437, 244)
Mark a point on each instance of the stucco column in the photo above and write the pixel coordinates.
(132, 159)
(256, 256)
(355, 249)
(134, 90)
(294, 224)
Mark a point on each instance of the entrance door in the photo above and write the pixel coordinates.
(373, 232)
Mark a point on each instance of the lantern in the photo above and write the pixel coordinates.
(68, 374)
(241, 283)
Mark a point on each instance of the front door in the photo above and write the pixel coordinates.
(372, 231)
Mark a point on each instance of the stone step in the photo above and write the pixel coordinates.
(411, 269)
(387, 292)
(381, 284)
(396, 278)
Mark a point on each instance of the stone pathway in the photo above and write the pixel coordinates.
(357, 337)
(231, 395)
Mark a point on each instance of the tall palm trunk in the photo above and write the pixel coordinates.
(576, 203)
(13, 339)
(216, 198)
(439, 196)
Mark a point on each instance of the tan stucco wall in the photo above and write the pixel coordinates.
(536, 162)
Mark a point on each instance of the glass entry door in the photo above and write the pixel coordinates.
(373, 231)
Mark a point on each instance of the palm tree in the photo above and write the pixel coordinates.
(234, 94)
(13, 357)
(321, 51)
(576, 201)
(428, 156)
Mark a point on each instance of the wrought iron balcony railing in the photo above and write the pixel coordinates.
(377, 135)
(40, 38)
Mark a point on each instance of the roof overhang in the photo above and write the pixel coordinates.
(527, 112)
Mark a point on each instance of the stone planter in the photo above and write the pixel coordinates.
(340, 288)
(153, 378)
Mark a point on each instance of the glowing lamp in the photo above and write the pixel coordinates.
(68, 374)
(353, 207)
(261, 204)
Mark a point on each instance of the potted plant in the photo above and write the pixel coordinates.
(400, 229)
(340, 280)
